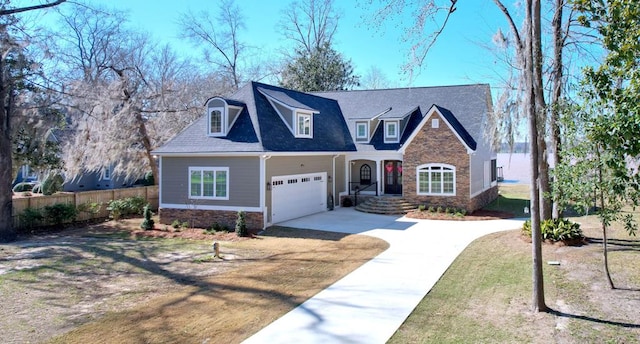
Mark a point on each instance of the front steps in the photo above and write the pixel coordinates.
(386, 205)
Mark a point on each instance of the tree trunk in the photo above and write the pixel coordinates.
(543, 173)
(556, 95)
(605, 247)
(540, 112)
(535, 105)
(7, 231)
(146, 142)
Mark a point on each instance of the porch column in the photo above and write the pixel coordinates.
(378, 179)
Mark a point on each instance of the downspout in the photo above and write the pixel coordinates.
(263, 186)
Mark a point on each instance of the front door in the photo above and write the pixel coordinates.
(393, 177)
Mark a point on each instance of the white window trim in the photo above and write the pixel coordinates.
(214, 170)
(106, 173)
(223, 121)
(428, 167)
(309, 115)
(366, 131)
(387, 137)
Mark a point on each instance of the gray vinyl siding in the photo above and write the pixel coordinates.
(476, 166)
(244, 180)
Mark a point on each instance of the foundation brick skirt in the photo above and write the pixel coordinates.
(207, 218)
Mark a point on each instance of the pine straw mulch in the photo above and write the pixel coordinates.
(478, 215)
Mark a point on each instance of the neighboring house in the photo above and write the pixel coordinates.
(100, 180)
(279, 154)
(26, 175)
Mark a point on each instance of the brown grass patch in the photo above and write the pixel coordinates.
(207, 300)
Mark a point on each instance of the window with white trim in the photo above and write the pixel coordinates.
(209, 183)
(106, 173)
(216, 122)
(436, 179)
(304, 125)
(362, 131)
(391, 131)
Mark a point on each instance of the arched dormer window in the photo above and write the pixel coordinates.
(365, 174)
(436, 179)
(221, 114)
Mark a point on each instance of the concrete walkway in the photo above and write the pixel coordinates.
(369, 304)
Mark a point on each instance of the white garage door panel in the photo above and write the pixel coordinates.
(298, 195)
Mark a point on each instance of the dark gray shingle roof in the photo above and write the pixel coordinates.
(468, 104)
(259, 128)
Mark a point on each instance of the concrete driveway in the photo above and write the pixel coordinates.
(369, 304)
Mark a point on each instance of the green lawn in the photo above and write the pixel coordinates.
(512, 198)
(485, 295)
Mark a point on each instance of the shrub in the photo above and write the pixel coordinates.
(556, 230)
(125, 206)
(176, 224)
(422, 207)
(438, 209)
(31, 218)
(216, 227)
(347, 202)
(148, 179)
(52, 184)
(90, 207)
(432, 209)
(23, 187)
(148, 222)
(60, 213)
(241, 225)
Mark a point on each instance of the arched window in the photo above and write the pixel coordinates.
(436, 179)
(215, 122)
(365, 174)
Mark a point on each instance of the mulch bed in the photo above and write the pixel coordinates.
(478, 215)
(188, 233)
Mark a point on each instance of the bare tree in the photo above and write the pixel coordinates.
(427, 14)
(311, 24)
(219, 38)
(374, 79)
(124, 102)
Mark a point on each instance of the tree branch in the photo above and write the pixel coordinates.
(30, 8)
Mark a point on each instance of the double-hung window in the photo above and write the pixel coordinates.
(391, 134)
(106, 173)
(436, 179)
(303, 125)
(209, 183)
(216, 122)
(362, 131)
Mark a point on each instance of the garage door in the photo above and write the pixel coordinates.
(298, 195)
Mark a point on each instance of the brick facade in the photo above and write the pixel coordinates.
(206, 218)
(483, 199)
(440, 146)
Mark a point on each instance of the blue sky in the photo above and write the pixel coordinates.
(458, 57)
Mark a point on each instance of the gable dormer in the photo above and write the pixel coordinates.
(297, 116)
(221, 115)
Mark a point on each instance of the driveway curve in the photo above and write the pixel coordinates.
(369, 304)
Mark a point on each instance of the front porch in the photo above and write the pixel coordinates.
(369, 177)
